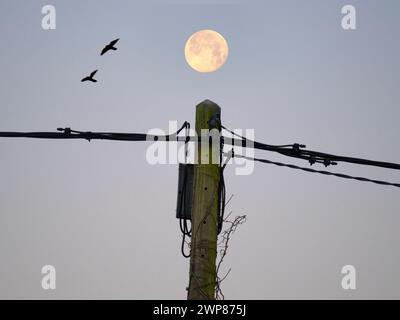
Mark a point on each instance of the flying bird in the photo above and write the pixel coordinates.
(90, 78)
(109, 47)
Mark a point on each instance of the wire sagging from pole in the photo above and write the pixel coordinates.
(328, 173)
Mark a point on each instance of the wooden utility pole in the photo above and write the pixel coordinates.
(202, 274)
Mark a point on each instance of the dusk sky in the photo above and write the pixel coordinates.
(105, 218)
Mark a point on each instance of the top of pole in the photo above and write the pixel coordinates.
(207, 102)
(208, 116)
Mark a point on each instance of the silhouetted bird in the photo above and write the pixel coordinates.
(109, 47)
(90, 78)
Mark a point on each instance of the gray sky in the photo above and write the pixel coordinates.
(105, 218)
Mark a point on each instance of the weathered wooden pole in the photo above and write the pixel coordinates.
(202, 274)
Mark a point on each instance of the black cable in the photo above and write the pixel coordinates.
(293, 145)
(286, 149)
(221, 190)
(290, 150)
(68, 133)
(296, 151)
(340, 175)
(222, 200)
(183, 247)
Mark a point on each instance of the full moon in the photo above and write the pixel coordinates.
(206, 51)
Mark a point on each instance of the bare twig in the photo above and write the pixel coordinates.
(223, 246)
